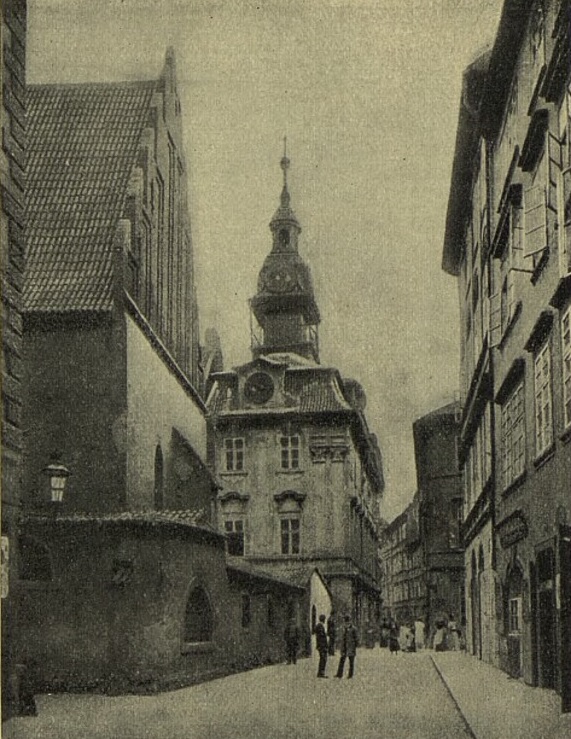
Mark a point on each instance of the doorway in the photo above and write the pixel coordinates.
(546, 617)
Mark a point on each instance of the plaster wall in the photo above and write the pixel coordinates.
(157, 404)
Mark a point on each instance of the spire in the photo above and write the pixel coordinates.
(284, 215)
(284, 164)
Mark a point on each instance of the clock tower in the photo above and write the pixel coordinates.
(284, 306)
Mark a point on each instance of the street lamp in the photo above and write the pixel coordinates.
(57, 473)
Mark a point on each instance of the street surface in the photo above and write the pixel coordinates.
(390, 696)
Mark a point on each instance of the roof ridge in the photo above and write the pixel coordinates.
(92, 84)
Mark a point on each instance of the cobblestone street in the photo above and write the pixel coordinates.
(398, 696)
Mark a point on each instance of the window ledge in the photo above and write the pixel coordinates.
(545, 456)
(511, 323)
(513, 486)
(541, 265)
(234, 473)
(290, 472)
(197, 647)
(566, 435)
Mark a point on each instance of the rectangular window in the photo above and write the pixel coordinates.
(543, 414)
(515, 615)
(234, 530)
(513, 436)
(290, 535)
(290, 452)
(566, 354)
(234, 449)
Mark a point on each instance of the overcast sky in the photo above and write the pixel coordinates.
(367, 92)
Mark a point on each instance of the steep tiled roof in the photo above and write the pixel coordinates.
(310, 390)
(83, 141)
(317, 393)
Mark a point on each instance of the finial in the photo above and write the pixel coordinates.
(284, 164)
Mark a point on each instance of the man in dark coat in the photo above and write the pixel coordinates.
(349, 643)
(322, 646)
(291, 636)
(331, 633)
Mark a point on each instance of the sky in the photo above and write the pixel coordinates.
(367, 93)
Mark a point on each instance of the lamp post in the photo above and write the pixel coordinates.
(57, 473)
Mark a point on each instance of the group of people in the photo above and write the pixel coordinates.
(410, 637)
(325, 644)
(404, 638)
(325, 631)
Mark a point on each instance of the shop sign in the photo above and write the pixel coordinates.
(4, 579)
(512, 529)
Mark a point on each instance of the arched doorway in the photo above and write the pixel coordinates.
(513, 618)
(198, 617)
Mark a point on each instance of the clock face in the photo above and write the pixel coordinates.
(259, 387)
(279, 279)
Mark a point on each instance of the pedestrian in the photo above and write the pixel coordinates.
(419, 633)
(349, 643)
(291, 636)
(331, 632)
(453, 633)
(322, 645)
(385, 633)
(440, 642)
(394, 645)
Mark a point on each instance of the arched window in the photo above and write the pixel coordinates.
(198, 617)
(159, 478)
(34, 560)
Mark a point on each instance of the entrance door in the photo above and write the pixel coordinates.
(514, 621)
(565, 615)
(546, 620)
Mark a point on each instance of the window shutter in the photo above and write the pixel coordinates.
(555, 162)
(495, 319)
(511, 294)
(517, 237)
(535, 220)
(564, 221)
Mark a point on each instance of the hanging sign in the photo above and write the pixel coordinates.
(5, 551)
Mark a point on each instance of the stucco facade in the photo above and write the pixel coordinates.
(301, 473)
(514, 281)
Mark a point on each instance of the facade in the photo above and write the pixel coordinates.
(421, 553)
(508, 241)
(403, 573)
(124, 583)
(12, 176)
(440, 501)
(301, 474)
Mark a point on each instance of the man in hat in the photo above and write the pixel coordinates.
(349, 642)
(321, 645)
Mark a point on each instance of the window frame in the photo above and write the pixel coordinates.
(235, 534)
(290, 534)
(543, 398)
(513, 447)
(515, 615)
(566, 366)
(290, 452)
(234, 454)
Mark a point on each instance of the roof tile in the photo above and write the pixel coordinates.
(83, 142)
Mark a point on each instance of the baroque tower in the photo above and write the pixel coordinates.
(284, 306)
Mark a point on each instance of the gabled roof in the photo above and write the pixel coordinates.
(83, 143)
